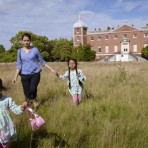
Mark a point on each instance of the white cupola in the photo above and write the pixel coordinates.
(79, 23)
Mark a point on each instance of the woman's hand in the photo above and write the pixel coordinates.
(57, 74)
(14, 80)
(16, 75)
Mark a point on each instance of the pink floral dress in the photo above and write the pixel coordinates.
(7, 129)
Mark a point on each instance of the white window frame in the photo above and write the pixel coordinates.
(146, 35)
(135, 49)
(92, 38)
(92, 47)
(99, 37)
(115, 36)
(78, 38)
(106, 37)
(99, 47)
(145, 45)
(77, 30)
(106, 49)
(115, 48)
(134, 36)
(125, 36)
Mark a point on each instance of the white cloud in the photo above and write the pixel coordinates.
(54, 18)
(130, 5)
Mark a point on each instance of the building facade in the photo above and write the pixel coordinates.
(121, 42)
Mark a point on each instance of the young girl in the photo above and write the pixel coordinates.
(75, 78)
(7, 129)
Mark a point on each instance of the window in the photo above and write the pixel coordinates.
(134, 48)
(99, 37)
(106, 37)
(99, 49)
(125, 49)
(78, 38)
(77, 30)
(92, 47)
(107, 49)
(145, 45)
(124, 36)
(146, 35)
(134, 35)
(92, 38)
(115, 36)
(115, 48)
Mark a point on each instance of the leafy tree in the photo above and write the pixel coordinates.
(145, 52)
(62, 50)
(89, 55)
(51, 50)
(45, 55)
(41, 42)
(7, 57)
(83, 53)
(2, 49)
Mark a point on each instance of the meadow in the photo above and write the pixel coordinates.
(113, 114)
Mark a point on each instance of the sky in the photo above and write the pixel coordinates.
(55, 18)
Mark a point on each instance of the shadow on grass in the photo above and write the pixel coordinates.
(37, 138)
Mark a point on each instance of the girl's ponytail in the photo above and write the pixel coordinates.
(69, 84)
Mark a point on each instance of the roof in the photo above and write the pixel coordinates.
(79, 23)
(125, 28)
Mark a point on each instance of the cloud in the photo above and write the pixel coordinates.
(55, 18)
(130, 5)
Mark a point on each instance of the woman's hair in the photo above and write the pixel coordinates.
(80, 83)
(1, 85)
(27, 35)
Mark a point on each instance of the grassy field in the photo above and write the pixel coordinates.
(113, 114)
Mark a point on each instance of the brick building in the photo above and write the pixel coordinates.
(114, 44)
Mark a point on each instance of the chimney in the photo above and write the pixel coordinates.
(108, 28)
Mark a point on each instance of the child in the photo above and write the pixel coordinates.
(7, 129)
(75, 78)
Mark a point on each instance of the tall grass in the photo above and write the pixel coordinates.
(113, 114)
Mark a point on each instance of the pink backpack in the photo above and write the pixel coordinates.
(37, 122)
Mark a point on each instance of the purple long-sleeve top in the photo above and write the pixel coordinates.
(29, 64)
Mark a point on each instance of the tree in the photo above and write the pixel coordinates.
(145, 52)
(2, 49)
(62, 50)
(41, 42)
(89, 55)
(83, 53)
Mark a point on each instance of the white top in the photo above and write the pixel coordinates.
(79, 23)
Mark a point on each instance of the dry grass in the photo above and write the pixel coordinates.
(114, 113)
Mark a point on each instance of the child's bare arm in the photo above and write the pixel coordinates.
(23, 106)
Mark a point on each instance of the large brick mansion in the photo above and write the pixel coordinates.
(120, 42)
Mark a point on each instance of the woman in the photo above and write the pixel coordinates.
(27, 64)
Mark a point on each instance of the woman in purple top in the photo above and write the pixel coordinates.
(27, 63)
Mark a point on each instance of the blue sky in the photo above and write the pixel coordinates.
(55, 18)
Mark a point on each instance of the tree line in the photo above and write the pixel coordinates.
(51, 50)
